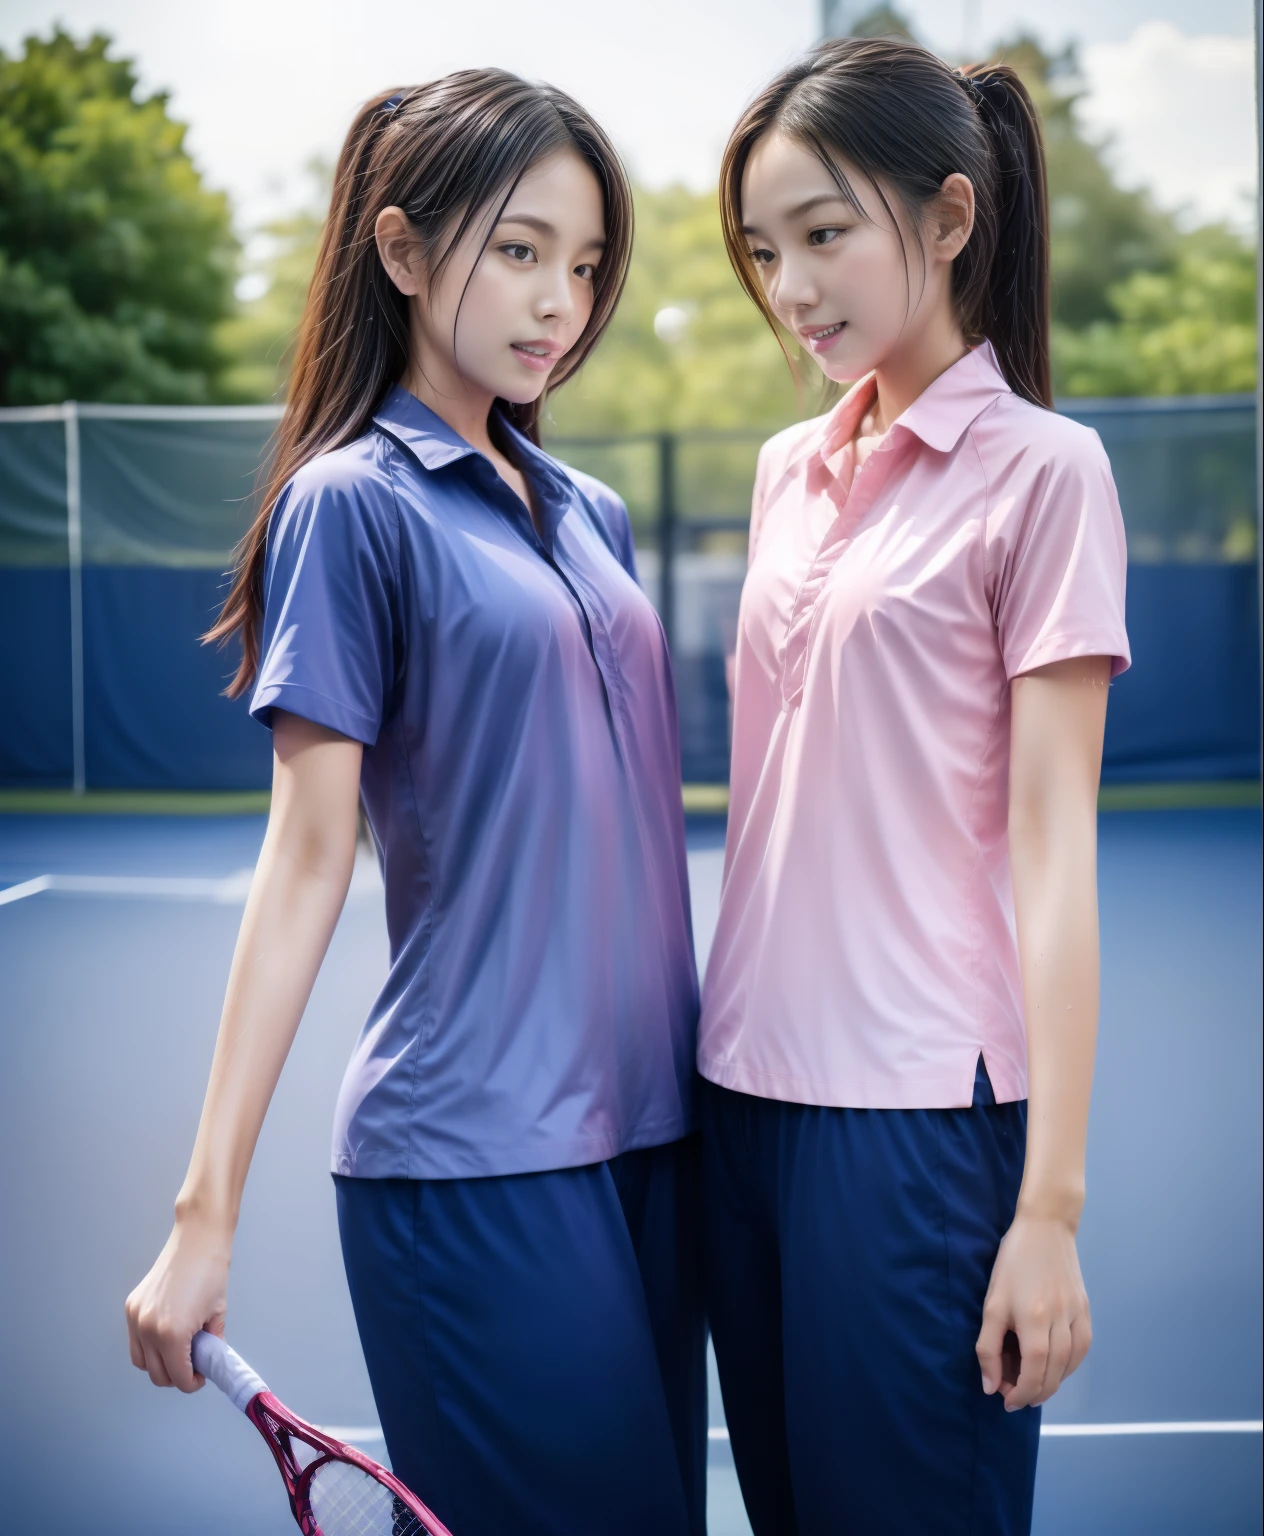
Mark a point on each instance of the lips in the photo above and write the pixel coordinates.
(822, 337)
(539, 356)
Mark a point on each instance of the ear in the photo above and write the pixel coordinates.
(397, 250)
(951, 217)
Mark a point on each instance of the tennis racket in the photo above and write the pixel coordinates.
(333, 1489)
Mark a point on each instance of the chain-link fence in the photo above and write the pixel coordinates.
(117, 523)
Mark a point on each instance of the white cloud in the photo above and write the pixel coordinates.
(1181, 111)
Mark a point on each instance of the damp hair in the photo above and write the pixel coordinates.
(450, 154)
(898, 115)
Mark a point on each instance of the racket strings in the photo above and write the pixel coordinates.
(346, 1501)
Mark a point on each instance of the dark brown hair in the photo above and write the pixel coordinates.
(901, 117)
(446, 153)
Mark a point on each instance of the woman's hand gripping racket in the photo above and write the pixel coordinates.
(333, 1489)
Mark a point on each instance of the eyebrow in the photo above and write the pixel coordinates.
(543, 227)
(805, 207)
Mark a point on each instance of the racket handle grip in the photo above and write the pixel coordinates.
(213, 1359)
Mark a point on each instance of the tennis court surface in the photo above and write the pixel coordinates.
(115, 938)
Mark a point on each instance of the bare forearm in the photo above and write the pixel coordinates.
(1055, 759)
(299, 887)
(1036, 1293)
(1054, 873)
(290, 916)
(297, 893)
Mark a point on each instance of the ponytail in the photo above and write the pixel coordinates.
(899, 115)
(445, 153)
(1011, 299)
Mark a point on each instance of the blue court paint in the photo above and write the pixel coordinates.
(107, 1017)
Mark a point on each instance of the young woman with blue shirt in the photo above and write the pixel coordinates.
(443, 623)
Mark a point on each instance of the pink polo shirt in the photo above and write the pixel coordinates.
(865, 952)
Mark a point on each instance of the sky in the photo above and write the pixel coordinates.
(265, 85)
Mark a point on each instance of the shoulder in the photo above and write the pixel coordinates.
(1020, 442)
(781, 450)
(610, 512)
(357, 472)
(341, 503)
(607, 503)
(345, 494)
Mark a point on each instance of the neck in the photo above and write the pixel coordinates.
(462, 406)
(464, 409)
(914, 366)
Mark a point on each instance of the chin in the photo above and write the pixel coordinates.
(522, 391)
(848, 367)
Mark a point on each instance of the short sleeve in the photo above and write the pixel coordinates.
(759, 496)
(1057, 561)
(330, 615)
(612, 513)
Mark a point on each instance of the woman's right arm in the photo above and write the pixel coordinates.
(297, 893)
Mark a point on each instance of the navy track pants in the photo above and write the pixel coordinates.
(537, 1345)
(847, 1255)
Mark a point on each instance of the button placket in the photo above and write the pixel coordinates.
(865, 486)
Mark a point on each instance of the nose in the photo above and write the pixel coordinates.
(554, 299)
(793, 287)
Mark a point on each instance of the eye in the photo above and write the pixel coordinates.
(825, 236)
(519, 251)
(587, 270)
(762, 257)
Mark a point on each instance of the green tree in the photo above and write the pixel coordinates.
(261, 334)
(1140, 307)
(1100, 233)
(710, 362)
(1187, 331)
(116, 264)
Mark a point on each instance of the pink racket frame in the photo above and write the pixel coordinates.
(298, 1479)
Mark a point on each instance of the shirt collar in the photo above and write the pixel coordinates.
(424, 434)
(939, 415)
(435, 444)
(944, 410)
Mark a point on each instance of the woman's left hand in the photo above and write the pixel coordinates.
(1036, 1325)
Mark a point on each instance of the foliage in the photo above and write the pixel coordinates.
(116, 264)
(1140, 307)
(1187, 331)
(721, 367)
(260, 336)
(1100, 233)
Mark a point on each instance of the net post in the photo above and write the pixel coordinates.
(74, 541)
(667, 534)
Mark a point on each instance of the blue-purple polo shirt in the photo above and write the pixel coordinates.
(521, 776)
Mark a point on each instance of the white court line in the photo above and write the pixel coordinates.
(27, 888)
(1162, 1427)
(228, 889)
(365, 1434)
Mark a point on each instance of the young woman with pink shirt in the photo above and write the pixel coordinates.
(908, 932)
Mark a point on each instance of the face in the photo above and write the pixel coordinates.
(834, 276)
(530, 285)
